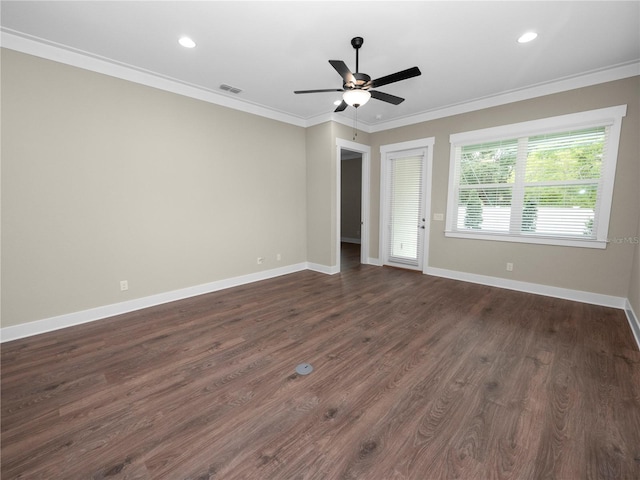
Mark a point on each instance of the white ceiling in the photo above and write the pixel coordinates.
(467, 51)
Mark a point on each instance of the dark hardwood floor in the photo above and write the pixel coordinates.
(415, 377)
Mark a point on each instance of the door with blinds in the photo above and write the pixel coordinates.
(404, 216)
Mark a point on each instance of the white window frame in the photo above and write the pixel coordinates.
(610, 117)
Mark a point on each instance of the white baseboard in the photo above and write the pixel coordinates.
(634, 322)
(329, 270)
(76, 318)
(549, 291)
(350, 240)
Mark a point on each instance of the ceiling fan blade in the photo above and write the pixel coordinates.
(396, 77)
(343, 70)
(342, 106)
(319, 91)
(385, 97)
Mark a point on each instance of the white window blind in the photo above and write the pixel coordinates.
(406, 194)
(562, 183)
(485, 188)
(546, 187)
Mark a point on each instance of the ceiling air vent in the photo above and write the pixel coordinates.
(229, 88)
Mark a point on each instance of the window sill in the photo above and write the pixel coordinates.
(539, 240)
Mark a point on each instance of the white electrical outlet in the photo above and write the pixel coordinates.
(509, 267)
(278, 257)
(438, 216)
(124, 285)
(260, 260)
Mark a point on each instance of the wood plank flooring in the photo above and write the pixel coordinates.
(415, 377)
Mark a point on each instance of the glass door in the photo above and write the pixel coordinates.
(405, 217)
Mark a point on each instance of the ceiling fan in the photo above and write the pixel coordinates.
(357, 87)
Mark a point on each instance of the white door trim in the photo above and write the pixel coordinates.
(385, 151)
(365, 150)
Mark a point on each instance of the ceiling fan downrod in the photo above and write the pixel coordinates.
(356, 42)
(357, 80)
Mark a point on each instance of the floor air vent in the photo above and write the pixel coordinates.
(304, 369)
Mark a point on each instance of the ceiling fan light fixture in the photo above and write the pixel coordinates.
(356, 98)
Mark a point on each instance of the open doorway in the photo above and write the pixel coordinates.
(350, 208)
(353, 204)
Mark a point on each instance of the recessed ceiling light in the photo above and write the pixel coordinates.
(527, 37)
(186, 42)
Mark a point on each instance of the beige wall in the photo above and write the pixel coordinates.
(600, 271)
(322, 189)
(634, 285)
(105, 180)
(319, 184)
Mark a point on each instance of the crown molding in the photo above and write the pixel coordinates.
(78, 58)
(23, 43)
(333, 117)
(618, 72)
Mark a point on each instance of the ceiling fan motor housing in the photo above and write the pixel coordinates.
(360, 81)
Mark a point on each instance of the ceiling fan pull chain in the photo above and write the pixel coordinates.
(355, 126)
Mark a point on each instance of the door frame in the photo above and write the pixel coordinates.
(365, 151)
(394, 148)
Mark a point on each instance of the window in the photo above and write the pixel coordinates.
(546, 181)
